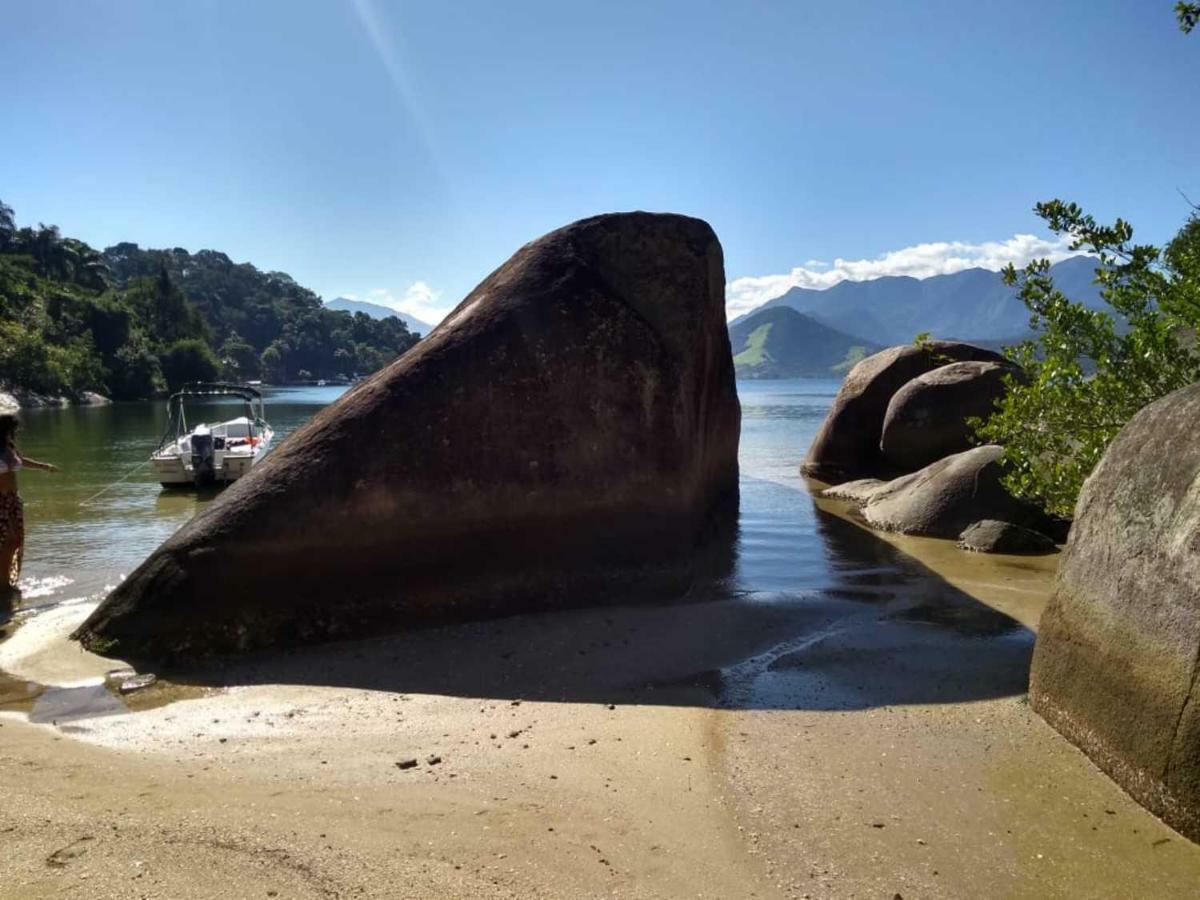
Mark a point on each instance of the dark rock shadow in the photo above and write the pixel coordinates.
(868, 626)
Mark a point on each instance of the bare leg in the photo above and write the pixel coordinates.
(9, 567)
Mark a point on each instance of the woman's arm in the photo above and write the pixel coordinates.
(37, 464)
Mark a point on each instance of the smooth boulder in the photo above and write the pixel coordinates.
(994, 536)
(859, 491)
(1116, 667)
(942, 499)
(847, 445)
(567, 434)
(927, 418)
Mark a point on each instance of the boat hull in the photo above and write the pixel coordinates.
(173, 472)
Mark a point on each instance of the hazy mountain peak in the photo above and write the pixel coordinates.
(973, 304)
(377, 311)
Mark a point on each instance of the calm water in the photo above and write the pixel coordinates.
(815, 602)
(79, 542)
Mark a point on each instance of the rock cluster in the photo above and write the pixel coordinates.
(567, 434)
(903, 414)
(848, 444)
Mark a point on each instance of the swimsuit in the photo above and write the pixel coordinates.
(11, 462)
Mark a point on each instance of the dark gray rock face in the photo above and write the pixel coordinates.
(570, 430)
(1116, 667)
(942, 499)
(847, 446)
(927, 418)
(994, 536)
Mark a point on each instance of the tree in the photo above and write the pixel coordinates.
(8, 225)
(74, 319)
(271, 365)
(138, 373)
(1089, 371)
(239, 361)
(1188, 15)
(188, 360)
(172, 317)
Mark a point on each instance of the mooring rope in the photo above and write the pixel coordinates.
(113, 484)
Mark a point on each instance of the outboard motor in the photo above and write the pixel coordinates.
(203, 458)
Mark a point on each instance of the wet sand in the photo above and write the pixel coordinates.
(869, 739)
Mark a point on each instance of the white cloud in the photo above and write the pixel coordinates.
(919, 261)
(418, 299)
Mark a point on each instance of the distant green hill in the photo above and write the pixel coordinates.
(781, 343)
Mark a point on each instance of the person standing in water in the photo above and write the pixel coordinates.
(12, 512)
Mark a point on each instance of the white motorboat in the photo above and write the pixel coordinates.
(211, 454)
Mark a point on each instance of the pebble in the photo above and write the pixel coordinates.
(136, 683)
(406, 764)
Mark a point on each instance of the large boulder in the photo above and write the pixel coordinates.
(847, 446)
(942, 499)
(568, 433)
(927, 418)
(1116, 667)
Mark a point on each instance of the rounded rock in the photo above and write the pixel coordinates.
(927, 418)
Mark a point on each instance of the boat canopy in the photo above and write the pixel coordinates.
(177, 425)
(218, 389)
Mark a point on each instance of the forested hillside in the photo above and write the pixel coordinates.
(131, 323)
(782, 343)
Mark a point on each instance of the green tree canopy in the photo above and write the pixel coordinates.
(74, 319)
(1089, 371)
(187, 360)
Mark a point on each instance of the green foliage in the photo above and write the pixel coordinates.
(138, 372)
(128, 321)
(271, 364)
(1089, 371)
(239, 360)
(241, 305)
(1188, 15)
(186, 360)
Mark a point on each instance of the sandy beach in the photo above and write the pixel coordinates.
(872, 741)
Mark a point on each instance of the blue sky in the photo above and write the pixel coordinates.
(401, 151)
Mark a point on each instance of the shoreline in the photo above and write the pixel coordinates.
(872, 743)
(26, 400)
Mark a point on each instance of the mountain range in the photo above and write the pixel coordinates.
(377, 311)
(973, 305)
